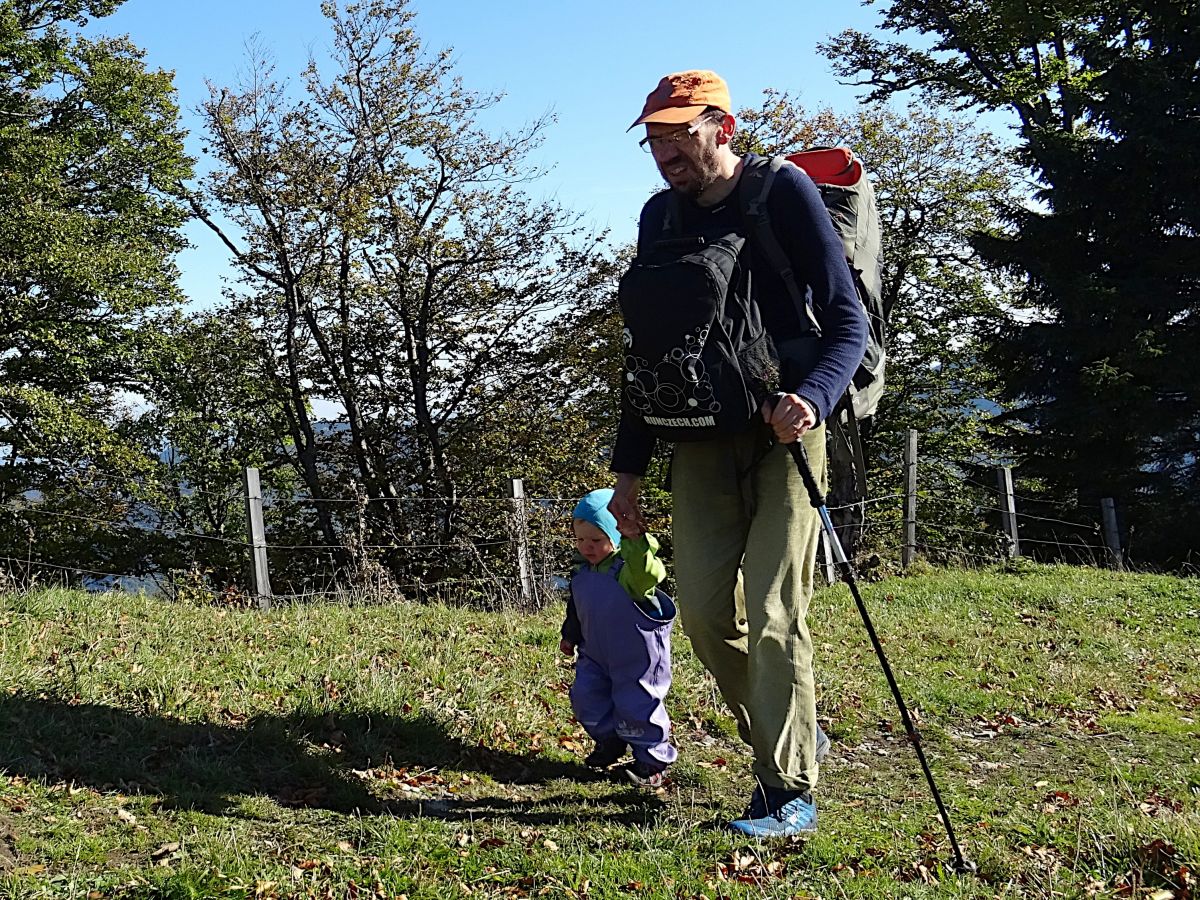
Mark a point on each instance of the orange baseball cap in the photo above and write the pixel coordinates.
(682, 96)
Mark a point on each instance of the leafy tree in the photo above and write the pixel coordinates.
(938, 180)
(1096, 365)
(394, 266)
(212, 413)
(90, 151)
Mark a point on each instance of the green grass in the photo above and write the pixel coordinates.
(150, 749)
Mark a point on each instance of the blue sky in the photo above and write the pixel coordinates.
(590, 64)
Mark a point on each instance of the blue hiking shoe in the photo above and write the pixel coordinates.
(775, 813)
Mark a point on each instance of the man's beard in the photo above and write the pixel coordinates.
(704, 170)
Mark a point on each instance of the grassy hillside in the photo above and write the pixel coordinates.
(151, 749)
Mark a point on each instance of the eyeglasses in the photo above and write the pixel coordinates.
(673, 138)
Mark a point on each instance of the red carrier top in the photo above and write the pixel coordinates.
(829, 165)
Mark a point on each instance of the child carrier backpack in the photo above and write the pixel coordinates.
(698, 361)
(850, 200)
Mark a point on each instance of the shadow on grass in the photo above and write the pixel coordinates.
(196, 765)
(631, 807)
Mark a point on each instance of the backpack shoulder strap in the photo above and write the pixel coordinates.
(758, 175)
(845, 409)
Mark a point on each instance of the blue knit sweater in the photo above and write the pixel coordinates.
(804, 230)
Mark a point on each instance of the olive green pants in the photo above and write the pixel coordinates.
(745, 541)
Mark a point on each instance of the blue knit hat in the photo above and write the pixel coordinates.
(594, 508)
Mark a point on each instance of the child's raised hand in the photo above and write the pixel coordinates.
(566, 648)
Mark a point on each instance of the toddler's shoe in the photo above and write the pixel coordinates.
(645, 775)
(605, 753)
(823, 745)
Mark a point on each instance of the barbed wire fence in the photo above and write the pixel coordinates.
(511, 552)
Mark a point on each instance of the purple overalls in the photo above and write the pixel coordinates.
(623, 671)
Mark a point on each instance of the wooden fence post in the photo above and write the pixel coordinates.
(260, 578)
(520, 532)
(1008, 510)
(909, 552)
(1112, 534)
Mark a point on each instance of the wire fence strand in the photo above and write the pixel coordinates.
(939, 526)
(460, 547)
(951, 527)
(1094, 548)
(952, 551)
(75, 569)
(167, 531)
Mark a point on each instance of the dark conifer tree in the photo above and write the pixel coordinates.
(1103, 393)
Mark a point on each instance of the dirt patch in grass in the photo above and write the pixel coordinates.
(8, 852)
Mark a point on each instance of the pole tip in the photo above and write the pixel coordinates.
(963, 866)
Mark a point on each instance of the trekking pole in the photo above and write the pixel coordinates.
(817, 499)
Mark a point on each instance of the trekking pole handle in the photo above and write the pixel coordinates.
(800, 455)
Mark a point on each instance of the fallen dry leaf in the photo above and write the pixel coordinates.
(1060, 798)
(1158, 805)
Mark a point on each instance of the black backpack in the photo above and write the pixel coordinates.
(698, 362)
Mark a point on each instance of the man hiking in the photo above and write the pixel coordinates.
(745, 536)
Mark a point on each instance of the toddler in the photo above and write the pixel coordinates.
(620, 622)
